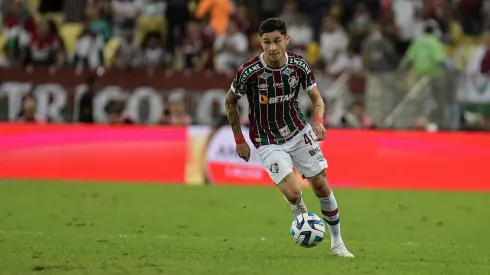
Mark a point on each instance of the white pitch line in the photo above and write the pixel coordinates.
(249, 239)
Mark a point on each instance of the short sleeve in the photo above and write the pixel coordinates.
(239, 85)
(308, 81)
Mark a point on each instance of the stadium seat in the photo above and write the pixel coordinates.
(33, 5)
(3, 41)
(147, 25)
(110, 50)
(70, 32)
(57, 18)
(313, 52)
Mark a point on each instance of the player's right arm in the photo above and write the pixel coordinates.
(231, 105)
(232, 113)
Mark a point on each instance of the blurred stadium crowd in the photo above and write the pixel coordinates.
(393, 43)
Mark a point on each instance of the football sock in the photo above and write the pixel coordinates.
(330, 213)
(299, 207)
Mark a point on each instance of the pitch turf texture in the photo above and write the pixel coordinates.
(71, 228)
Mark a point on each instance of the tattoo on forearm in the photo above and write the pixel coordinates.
(232, 113)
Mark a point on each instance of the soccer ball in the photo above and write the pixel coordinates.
(308, 230)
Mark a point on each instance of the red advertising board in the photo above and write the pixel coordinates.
(76, 152)
(357, 159)
(408, 160)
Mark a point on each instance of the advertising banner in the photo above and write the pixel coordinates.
(92, 153)
(200, 155)
(360, 159)
(143, 96)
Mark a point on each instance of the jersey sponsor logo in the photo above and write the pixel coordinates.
(242, 87)
(263, 87)
(288, 71)
(302, 64)
(279, 85)
(293, 81)
(249, 71)
(314, 151)
(265, 75)
(264, 99)
(273, 100)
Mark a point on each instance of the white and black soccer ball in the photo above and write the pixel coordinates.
(308, 230)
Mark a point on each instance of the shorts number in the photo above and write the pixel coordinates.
(308, 138)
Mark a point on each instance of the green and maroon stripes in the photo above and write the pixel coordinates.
(331, 217)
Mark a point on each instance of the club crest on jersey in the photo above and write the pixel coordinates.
(274, 168)
(293, 81)
(265, 75)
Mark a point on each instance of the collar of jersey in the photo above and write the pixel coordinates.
(269, 68)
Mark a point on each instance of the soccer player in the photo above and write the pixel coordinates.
(271, 82)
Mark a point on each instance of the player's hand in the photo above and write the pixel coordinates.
(243, 150)
(319, 131)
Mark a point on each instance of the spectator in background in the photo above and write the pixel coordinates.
(245, 23)
(333, 41)
(127, 52)
(18, 22)
(177, 15)
(219, 12)
(357, 118)
(98, 25)
(380, 60)
(196, 50)
(231, 49)
(406, 15)
(86, 114)
(289, 12)
(89, 50)
(479, 65)
(153, 55)
(423, 124)
(124, 14)
(177, 114)
(255, 46)
(115, 114)
(428, 57)
(301, 34)
(480, 62)
(360, 25)
(43, 48)
(28, 112)
(346, 62)
(151, 17)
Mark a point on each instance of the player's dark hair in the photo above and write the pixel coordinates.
(272, 25)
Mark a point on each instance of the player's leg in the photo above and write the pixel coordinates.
(330, 211)
(279, 165)
(310, 162)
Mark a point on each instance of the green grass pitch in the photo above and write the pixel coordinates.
(69, 228)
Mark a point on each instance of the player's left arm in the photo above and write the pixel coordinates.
(309, 84)
(318, 111)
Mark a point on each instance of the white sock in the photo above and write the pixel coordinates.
(298, 207)
(330, 213)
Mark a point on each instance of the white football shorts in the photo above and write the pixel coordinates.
(303, 151)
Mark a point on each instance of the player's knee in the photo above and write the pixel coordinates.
(293, 195)
(290, 189)
(320, 185)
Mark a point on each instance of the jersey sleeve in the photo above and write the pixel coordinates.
(239, 85)
(308, 77)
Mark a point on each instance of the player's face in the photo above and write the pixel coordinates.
(274, 45)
